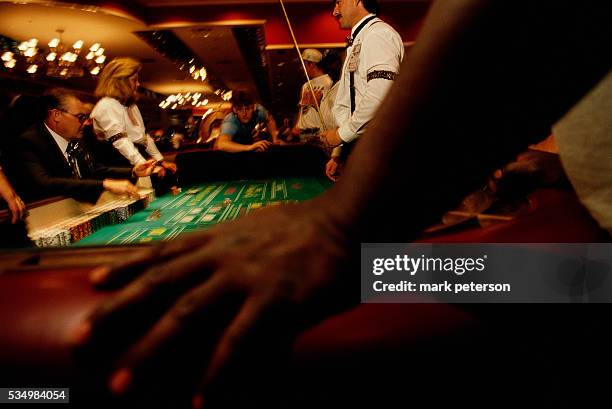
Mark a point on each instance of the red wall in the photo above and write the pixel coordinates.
(312, 23)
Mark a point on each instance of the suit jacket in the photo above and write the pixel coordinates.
(41, 170)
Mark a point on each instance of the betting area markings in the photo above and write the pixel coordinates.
(202, 206)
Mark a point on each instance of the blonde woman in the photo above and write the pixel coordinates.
(117, 116)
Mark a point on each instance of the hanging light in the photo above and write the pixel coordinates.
(188, 100)
(30, 52)
(59, 60)
(9, 60)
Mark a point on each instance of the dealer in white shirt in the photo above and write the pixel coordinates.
(373, 56)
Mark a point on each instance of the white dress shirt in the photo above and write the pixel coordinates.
(61, 142)
(375, 57)
(63, 145)
(112, 118)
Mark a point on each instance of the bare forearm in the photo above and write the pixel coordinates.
(273, 129)
(228, 145)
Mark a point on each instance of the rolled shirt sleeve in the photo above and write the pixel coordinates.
(108, 116)
(229, 126)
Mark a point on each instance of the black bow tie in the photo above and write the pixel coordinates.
(349, 41)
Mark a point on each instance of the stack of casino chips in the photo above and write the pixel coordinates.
(68, 231)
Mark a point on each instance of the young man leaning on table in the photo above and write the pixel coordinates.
(241, 129)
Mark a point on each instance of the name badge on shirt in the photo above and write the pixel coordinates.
(354, 58)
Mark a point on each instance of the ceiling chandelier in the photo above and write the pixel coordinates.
(59, 61)
(186, 100)
(225, 95)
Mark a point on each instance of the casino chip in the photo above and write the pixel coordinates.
(155, 215)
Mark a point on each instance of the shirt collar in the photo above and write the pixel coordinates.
(61, 142)
(359, 22)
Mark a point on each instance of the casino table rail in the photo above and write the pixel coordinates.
(200, 166)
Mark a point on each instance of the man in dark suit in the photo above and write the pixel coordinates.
(52, 160)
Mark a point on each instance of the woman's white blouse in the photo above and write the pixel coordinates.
(112, 118)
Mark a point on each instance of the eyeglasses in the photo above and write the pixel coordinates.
(80, 117)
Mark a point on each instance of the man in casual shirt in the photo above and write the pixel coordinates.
(309, 121)
(372, 63)
(242, 129)
(52, 162)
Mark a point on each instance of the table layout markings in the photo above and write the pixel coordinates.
(240, 192)
(115, 237)
(174, 233)
(215, 203)
(213, 194)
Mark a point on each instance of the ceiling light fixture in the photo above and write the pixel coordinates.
(60, 60)
(180, 101)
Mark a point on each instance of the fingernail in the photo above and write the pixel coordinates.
(99, 275)
(80, 334)
(120, 381)
(197, 402)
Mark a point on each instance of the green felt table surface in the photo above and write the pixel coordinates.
(201, 206)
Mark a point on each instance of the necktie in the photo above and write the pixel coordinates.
(72, 154)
